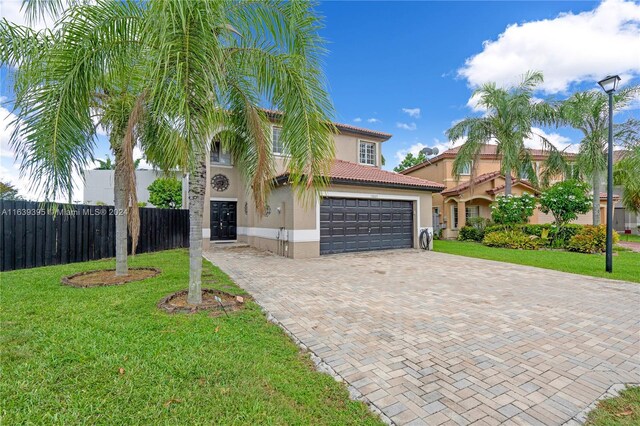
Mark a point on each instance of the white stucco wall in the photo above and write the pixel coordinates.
(98, 186)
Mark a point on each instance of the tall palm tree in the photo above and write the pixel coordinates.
(215, 64)
(589, 112)
(627, 174)
(209, 68)
(510, 114)
(84, 68)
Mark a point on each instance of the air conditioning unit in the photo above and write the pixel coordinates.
(425, 238)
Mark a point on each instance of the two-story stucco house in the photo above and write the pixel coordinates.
(363, 208)
(465, 198)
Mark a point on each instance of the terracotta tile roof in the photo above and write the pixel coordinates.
(603, 196)
(486, 152)
(522, 182)
(465, 185)
(346, 172)
(347, 128)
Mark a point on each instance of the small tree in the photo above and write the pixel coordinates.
(511, 209)
(565, 201)
(8, 191)
(409, 161)
(166, 193)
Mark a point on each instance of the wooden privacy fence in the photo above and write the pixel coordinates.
(41, 234)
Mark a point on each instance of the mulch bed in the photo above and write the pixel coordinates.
(108, 277)
(177, 302)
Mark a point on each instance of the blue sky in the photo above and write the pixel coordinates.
(387, 60)
(386, 56)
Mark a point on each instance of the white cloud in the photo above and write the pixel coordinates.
(412, 112)
(6, 129)
(11, 10)
(406, 126)
(417, 146)
(373, 120)
(473, 104)
(414, 149)
(559, 141)
(138, 154)
(567, 49)
(357, 120)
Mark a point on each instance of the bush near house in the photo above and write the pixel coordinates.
(591, 239)
(513, 239)
(565, 201)
(513, 209)
(470, 233)
(546, 231)
(474, 230)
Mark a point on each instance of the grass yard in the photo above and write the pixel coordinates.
(622, 410)
(107, 355)
(626, 264)
(632, 238)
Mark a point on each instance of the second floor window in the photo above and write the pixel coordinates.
(219, 155)
(466, 170)
(278, 146)
(368, 153)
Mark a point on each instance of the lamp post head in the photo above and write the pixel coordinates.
(610, 83)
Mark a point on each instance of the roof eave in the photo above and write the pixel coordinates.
(357, 182)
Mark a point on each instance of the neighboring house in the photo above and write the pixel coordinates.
(466, 198)
(363, 208)
(98, 186)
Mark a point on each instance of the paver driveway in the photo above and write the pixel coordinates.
(432, 338)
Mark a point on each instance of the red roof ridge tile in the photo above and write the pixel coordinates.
(348, 172)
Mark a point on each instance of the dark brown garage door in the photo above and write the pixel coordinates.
(349, 224)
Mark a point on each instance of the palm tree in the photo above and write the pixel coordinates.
(588, 112)
(510, 114)
(84, 67)
(105, 164)
(208, 68)
(214, 65)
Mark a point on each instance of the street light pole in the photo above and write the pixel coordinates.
(609, 85)
(609, 261)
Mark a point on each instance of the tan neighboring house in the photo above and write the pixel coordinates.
(466, 198)
(363, 208)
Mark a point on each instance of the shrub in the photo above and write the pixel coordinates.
(512, 240)
(470, 233)
(166, 193)
(565, 200)
(546, 231)
(511, 209)
(479, 222)
(591, 239)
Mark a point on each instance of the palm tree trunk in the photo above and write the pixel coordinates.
(507, 183)
(121, 216)
(596, 197)
(197, 182)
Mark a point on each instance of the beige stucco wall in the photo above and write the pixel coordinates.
(301, 217)
(291, 213)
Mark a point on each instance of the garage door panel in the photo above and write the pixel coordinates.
(349, 225)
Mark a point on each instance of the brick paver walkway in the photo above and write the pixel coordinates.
(431, 338)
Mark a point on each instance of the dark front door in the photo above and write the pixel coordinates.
(348, 224)
(223, 220)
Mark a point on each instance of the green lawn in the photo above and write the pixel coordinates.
(63, 349)
(630, 237)
(626, 264)
(619, 411)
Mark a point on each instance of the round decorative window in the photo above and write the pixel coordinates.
(267, 210)
(220, 182)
